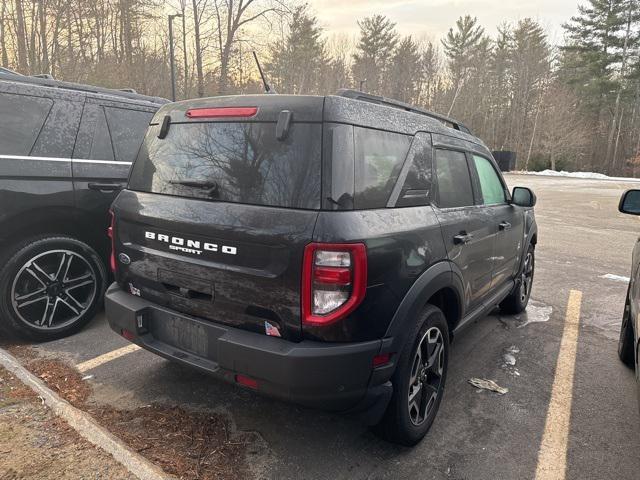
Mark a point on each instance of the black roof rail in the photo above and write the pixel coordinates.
(50, 82)
(389, 102)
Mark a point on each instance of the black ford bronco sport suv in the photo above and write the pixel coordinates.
(65, 152)
(323, 250)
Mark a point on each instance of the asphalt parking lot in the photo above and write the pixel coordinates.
(587, 407)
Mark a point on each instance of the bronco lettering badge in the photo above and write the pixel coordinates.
(195, 247)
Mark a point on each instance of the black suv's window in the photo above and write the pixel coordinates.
(417, 184)
(454, 180)
(234, 162)
(379, 156)
(127, 129)
(21, 118)
(492, 188)
(101, 148)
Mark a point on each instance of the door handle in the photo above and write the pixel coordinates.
(462, 238)
(106, 187)
(504, 226)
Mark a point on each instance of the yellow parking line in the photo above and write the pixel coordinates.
(552, 457)
(107, 357)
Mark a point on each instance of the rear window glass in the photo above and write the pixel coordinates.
(21, 118)
(379, 157)
(233, 162)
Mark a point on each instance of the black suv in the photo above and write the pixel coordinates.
(323, 250)
(65, 152)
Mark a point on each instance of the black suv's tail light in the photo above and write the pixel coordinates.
(110, 234)
(334, 281)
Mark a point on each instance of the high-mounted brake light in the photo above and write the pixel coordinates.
(222, 112)
(110, 234)
(334, 281)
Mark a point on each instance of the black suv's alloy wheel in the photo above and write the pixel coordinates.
(426, 376)
(51, 287)
(518, 300)
(418, 381)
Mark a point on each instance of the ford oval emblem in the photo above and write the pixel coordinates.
(124, 259)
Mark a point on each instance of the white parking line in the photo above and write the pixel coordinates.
(107, 357)
(552, 457)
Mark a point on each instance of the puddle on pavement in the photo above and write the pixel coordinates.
(537, 312)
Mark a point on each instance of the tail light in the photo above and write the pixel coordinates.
(334, 281)
(110, 234)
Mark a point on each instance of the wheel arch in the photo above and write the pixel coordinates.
(437, 286)
(67, 221)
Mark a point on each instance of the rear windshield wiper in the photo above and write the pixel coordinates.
(211, 187)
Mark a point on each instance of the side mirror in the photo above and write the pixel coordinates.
(630, 202)
(523, 197)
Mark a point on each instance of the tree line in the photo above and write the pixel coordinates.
(570, 106)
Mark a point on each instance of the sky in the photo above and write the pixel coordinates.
(432, 19)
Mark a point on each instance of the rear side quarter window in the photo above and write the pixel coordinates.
(379, 156)
(21, 119)
(127, 128)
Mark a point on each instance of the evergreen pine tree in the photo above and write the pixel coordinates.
(374, 54)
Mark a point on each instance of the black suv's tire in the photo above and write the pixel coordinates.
(626, 343)
(518, 300)
(420, 375)
(50, 287)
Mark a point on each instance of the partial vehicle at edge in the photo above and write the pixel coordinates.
(65, 152)
(629, 343)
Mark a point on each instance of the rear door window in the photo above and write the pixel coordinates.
(379, 157)
(454, 179)
(493, 191)
(21, 119)
(233, 162)
(127, 128)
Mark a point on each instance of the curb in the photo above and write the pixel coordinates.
(84, 424)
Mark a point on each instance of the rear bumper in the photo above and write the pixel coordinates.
(329, 376)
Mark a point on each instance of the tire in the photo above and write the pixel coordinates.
(627, 340)
(518, 300)
(50, 287)
(403, 422)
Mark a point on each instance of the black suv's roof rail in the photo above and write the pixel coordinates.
(48, 81)
(390, 102)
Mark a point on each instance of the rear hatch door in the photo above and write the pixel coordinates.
(218, 212)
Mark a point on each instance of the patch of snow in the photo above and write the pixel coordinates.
(509, 359)
(615, 278)
(583, 175)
